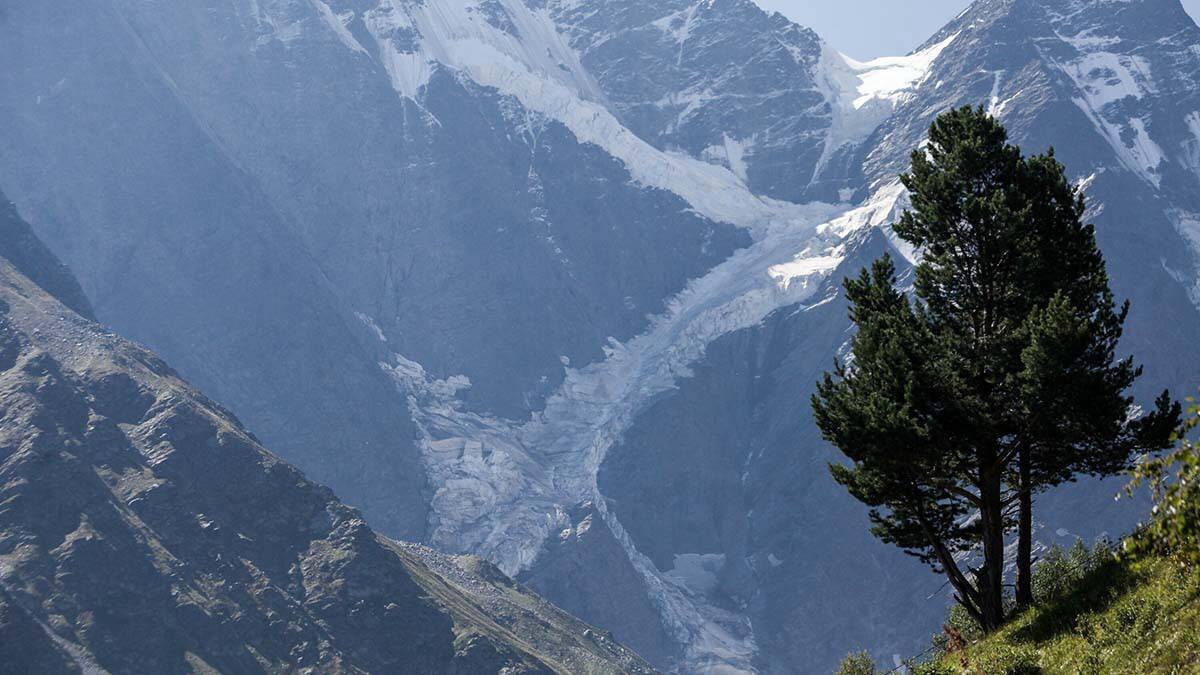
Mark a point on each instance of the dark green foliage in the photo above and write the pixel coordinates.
(1000, 379)
(1059, 574)
(1060, 570)
(891, 418)
(1070, 585)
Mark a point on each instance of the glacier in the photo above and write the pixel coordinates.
(501, 486)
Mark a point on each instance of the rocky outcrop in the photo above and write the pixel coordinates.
(588, 573)
(32, 258)
(142, 529)
(725, 81)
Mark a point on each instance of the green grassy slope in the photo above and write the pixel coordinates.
(1121, 617)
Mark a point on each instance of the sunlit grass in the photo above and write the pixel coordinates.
(1121, 617)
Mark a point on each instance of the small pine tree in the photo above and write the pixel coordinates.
(859, 663)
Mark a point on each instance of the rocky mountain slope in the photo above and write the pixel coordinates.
(142, 529)
(553, 278)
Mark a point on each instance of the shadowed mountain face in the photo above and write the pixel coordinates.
(21, 247)
(549, 281)
(143, 530)
(731, 465)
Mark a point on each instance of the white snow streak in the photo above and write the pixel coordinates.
(338, 25)
(545, 76)
(1188, 226)
(1104, 80)
(865, 93)
(502, 486)
(1191, 147)
(891, 77)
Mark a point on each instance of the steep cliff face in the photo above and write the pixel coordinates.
(458, 221)
(142, 529)
(179, 248)
(723, 81)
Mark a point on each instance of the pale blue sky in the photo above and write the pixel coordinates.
(868, 28)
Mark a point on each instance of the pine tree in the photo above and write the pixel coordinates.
(1000, 379)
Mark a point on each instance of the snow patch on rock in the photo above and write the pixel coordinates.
(892, 77)
(537, 67)
(697, 572)
(339, 25)
(732, 154)
(1191, 146)
(865, 93)
(1104, 81)
(1188, 226)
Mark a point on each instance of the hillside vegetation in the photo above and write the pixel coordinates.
(1120, 617)
(1095, 614)
(1095, 611)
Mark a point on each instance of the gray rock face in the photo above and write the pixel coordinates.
(180, 249)
(720, 80)
(143, 529)
(30, 256)
(250, 191)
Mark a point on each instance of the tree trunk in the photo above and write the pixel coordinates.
(966, 594)
(1025, 533)
(991, 575)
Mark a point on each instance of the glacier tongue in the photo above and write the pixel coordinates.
(502, 486)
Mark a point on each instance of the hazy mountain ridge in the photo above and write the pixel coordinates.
(485, 192)
(723, 81)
